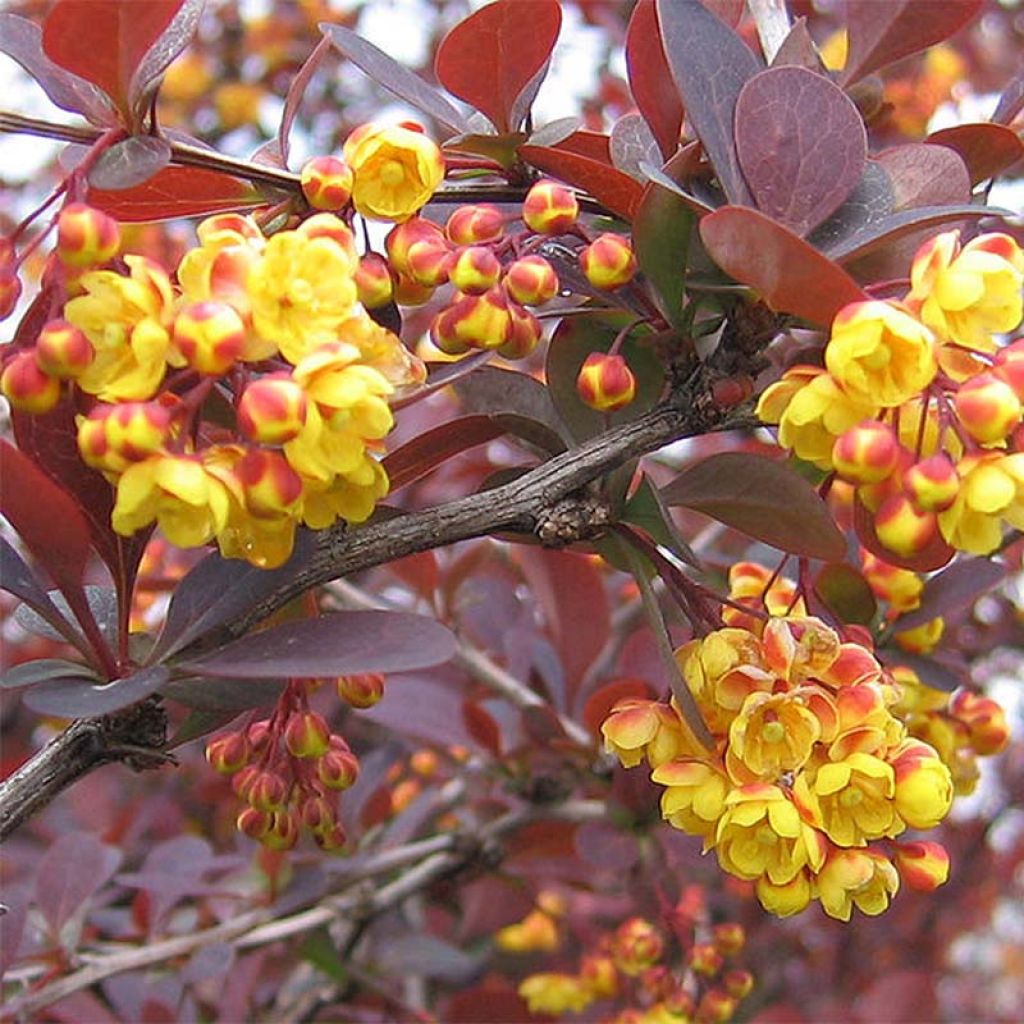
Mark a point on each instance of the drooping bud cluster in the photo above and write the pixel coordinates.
(918, 406)
(288, 770)
(814, 772)
(645, 973)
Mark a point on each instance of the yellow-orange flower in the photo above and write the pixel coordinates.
(555, 993)
(645, 728)
(772, 734)
(864, 879)
(396, 170)
(991, 490)
(879, 353)
(694, 796)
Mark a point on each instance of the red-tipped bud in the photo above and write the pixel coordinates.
(429, 262)
(338, 768)
(923, 865)
(266, 791)
(608, 262)
(326, 182)
(729, 937)
(10, 291)
(272, 410)
(550, 208)
(408, 292)
(259, 735)
(1009, 366)
(531, 281)
(606, 382)
(527, 331)
(253, 823)
(271, 487)
(318, 815)
(283, 833)
(475, 270)
(738, 983)
(241, 784)
(704, 958)
(326, 225)
(479, 321)
(227, 754)
(987, 407)
(445, 335)
(62, 350)
(373, 281)
(985, 720)
(903, 528)
(681, 1004)
(471, 225)
(922, 639)
(86, 236)
(866, 453)
(307, 735)
(415, 231)
(26, 387)
(210, 336)
(636, 945)
(715, 1007)
(332, 840)
(362, 690)
(933, 483)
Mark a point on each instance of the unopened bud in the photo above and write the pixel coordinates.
(272, 410)
(704, 958)
(985, 719)
(266, 791)
(283, 833)
(362, 690)
(933, 483)
(471, 225)
(271, 487)
(337, 769)
(62, 350)
(307, 735)
(738, 983)
(531, 281)
(227, 754)
(922, 865)
(729, 937)
(867, 453)
(253, 823)
(606, 382)
(86, 236)
(10, 292)
(1009, 366)
(608, 262)
(550, 208)
(474, 270)
(527, 331)
(326, 182)
(26, 387)
(210, 336)
(987, 407)
(902, 528)
(373, 281)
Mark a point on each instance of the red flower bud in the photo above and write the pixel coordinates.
(1009, 366)
(705, 959)
(474, 270)
(272, 410)
(62, 350)
(471, 225)
(902, 528)
(527, 331)
(729, 937)
(337, 769)
(933, 483)
(283, 833)
(531, 281)
(373, 281)
(867, 453)
(307, 735)
(608, 262)
(326, 182)
(550, 208)
(266, 790)
(228, 753)
(253, 823)
(606, 382)
(363, 690)
(987, 407)
(26, 387)
(86, 236)
(210, 336)
(271, 486)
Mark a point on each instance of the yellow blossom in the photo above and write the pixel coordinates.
(772, 734)
(645, 728)
(864, 879)
(879, 353)
(396, 170)
(924, 787)
(536, 931)
(694, 796)
(555, 993)
(787, 898)
(991, 489)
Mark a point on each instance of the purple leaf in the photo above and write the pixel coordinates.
(881, 33)
(924, 175)
(953, 590)
(220, 589)
(659, 177)
(495, 392)
(846, 593)
(986, 149)
(632, 144)
(710, 65)
(79, 697)
(870, 201)
(763, 498)
(208, 694)
(332, 645)
(396, 78)
(158, 57)
(798, 49)
(130, 162)
(650, 79)
(606, 847)
(293, 100)
(800, 143)
(1011, 103)
(28, 673)
(18, 579)
(939, 674)
(70, 871)
(22, 40)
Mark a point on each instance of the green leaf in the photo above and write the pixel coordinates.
(662, 229)
(846, 593)
(763, 498)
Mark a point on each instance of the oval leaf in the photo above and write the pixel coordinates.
(790, 275)
(42, 669)
(954, 590)
(206, 694)
(332, 645)
(492, 56)
(923, 175)
(763, 498)
(801, 145)
(130, 162)
(662, 229)
(846, 593)
(78, 697)
(710, 65)
(986, 149)
(70, 871)
(650, 79)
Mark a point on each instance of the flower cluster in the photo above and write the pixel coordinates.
(247, 397)
(652, 979)
(813, 773)
(918, 407)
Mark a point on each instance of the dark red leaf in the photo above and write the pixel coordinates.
(763, 498)
(986, 149)
(104, 41)
(492, 56)
(937, 671)
(332, 645)
(954, 590)
(22, 40)
(419, 571)
(603, 845)
(168, 45)
(846, 593)
(710, 65)
(206, 694)
(593, 145)
(42, 670)
(798, 49)
(612, 188)
(790, 275)
(694, 203)
(646, 510)
(509, 395)
(480, 724)
(70, 871)
(934, 556)
(177, 192)
(650, 79)
(881, 33)
(923, 175)
(600, 703)
(801, 145)
(425, 452)
(296, 91)
(870, 202)
(130, 162)
(83, 697)
(395, 77)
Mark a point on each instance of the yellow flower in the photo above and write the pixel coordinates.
(762, 833)
(179, 493)
(991, 489)
(555, 993)
(924, 787)
(879, 353)
(382, 351)
(851, 800)
(786, 899)
(301, 290)
(967, 294)
(126, 318)
(772, 734)
(351, 496)
(536, 931)
(694, 796)
(864, 879)
(396, 170)
(638, 728)
(812, 410)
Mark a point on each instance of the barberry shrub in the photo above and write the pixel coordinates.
(476, 523)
